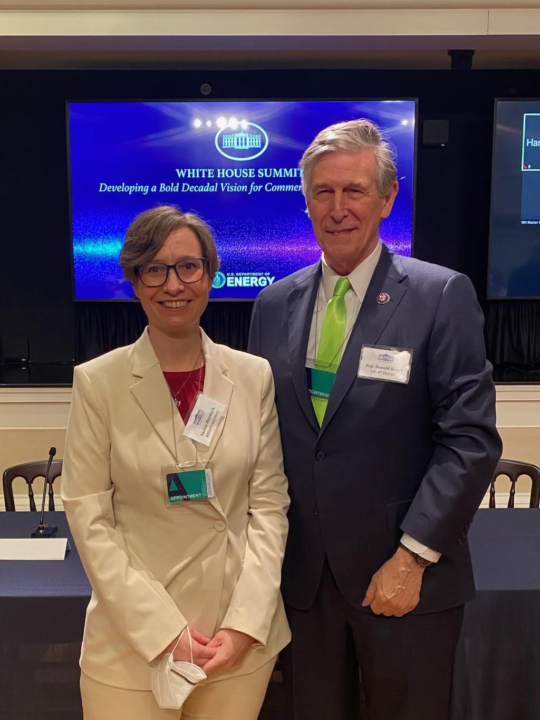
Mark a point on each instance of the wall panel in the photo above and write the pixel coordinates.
(518, 412)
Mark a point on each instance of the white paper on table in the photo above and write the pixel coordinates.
(33, 548)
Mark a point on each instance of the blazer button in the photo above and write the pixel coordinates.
(321, 456)
(220, 526)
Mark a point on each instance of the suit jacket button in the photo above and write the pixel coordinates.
(321, 456)
(220, 526)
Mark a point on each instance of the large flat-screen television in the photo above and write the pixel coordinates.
(233, 163)
(514, 255)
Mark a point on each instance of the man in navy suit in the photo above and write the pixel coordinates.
(387, 414)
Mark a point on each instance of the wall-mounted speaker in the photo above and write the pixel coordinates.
(435, 133)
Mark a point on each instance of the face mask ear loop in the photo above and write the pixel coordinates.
(178, 640)
(190, 645)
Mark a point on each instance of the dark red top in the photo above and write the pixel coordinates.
(185, 386)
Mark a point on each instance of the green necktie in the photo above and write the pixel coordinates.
(332, 337)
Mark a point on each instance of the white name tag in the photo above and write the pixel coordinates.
(385, 363)
(204, 419)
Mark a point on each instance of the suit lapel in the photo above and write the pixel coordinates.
(152, 393)
(372, 320)
(300, 312)
(216, 386)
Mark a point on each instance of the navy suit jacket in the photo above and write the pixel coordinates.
(389, 458)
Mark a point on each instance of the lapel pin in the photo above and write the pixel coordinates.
(383, 298)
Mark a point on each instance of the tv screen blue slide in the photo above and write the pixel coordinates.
(233, 163)
(514, 257)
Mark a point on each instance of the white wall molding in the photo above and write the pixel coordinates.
(180, 33)
(522, 500)
(519, 21)
(37, 32)
(32, 419)
(242, 23)
(200, 5)
(518, 406)
(22, 503)
(34, 408)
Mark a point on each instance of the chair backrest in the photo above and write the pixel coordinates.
(29, 472)
(514, 469)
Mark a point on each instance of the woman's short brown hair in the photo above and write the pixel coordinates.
(148, 232)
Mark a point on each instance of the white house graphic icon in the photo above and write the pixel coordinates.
(242, 141)
(244, 145)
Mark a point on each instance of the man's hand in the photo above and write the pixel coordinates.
(394, 590)
(230, 646)
(202, 652)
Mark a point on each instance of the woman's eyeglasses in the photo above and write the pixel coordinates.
(189, 270)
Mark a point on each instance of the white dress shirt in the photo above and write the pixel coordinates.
(359, 278)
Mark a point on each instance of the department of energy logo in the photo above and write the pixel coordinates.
(219, 281)
(246, 143)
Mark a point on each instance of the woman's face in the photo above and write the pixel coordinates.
(175, 308)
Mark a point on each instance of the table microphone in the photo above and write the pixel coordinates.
(45, 531)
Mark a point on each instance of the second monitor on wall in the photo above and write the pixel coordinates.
(514, 257)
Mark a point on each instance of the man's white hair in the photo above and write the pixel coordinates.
(352, 136)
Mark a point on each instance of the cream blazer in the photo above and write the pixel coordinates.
(154, 569)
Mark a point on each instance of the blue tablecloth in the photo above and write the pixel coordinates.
(41, 600)
(33, 578)
(497, 666)
(42, 610)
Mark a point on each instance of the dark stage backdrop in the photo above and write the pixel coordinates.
(452, 197)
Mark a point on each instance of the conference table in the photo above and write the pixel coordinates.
(42, 609)
(497, 667)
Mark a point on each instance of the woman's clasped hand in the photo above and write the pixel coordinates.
(222, 652)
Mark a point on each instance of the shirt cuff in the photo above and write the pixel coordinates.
(422, 550)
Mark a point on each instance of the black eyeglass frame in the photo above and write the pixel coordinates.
(204, 261)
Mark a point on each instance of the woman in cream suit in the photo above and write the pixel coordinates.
(158, 564)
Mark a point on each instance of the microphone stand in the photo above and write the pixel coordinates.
(42, 530)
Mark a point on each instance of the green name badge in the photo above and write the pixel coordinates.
(189, 485)
(320, 382)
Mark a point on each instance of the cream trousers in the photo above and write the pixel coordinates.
(238, 698)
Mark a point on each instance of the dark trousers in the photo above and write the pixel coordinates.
(405, 663)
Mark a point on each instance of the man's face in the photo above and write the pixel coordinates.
(345, 207)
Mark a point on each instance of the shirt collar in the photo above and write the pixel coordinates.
(359, 278)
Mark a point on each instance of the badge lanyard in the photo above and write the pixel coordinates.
(320, 380)
(186, 481)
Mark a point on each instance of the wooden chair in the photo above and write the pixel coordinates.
(514, 469)
(30, 471)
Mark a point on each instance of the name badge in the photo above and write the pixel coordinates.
(385, 363)
(203, 420)
(187, 482)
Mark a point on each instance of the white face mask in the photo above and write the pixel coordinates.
(173, 682)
